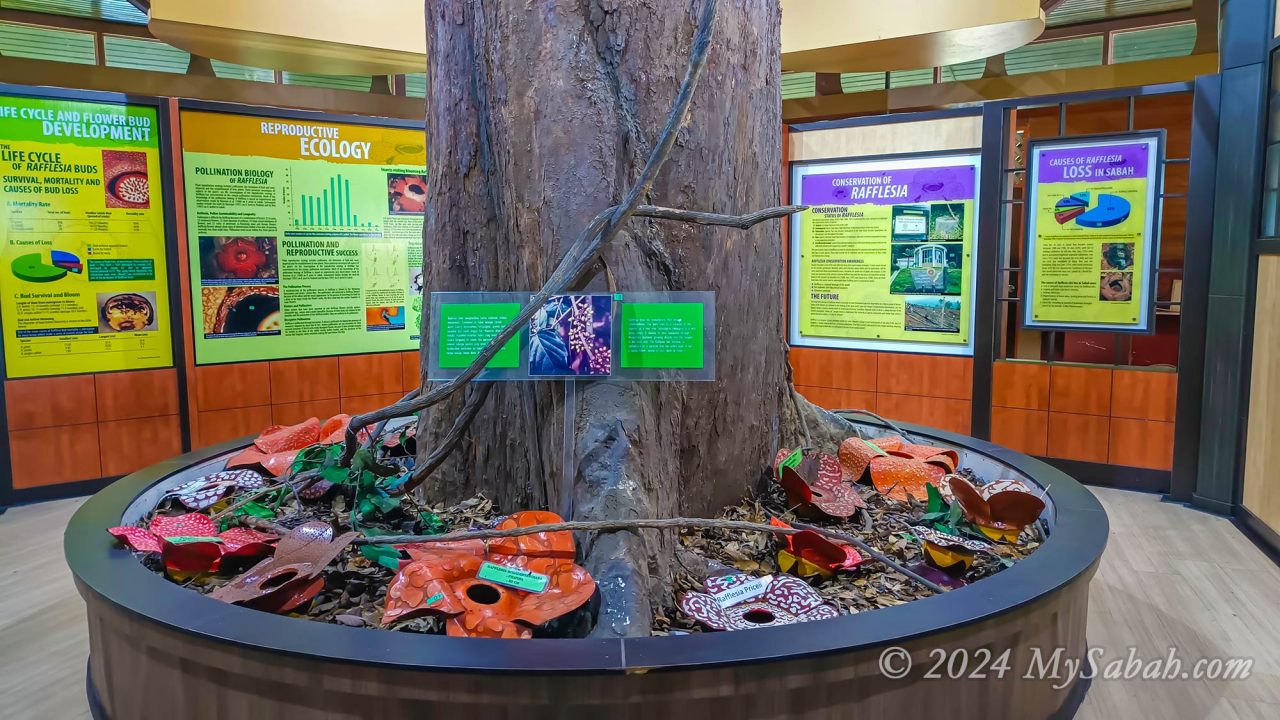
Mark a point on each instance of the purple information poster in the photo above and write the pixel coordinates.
(1091, 233)
(883, 257)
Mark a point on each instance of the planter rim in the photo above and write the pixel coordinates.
(110, 572)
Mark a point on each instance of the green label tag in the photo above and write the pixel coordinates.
(513, 577)
(617, 296)
(791, 460)
(183, 539)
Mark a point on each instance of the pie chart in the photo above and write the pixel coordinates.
(1109, 211)
(38, 267)
(1071, 207)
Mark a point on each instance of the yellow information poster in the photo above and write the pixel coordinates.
(304, 236)
(883, 258)
(1090, 234)
(83, 279)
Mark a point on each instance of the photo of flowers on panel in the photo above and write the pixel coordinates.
(571, 335)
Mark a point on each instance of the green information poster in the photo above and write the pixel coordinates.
(661, 335)
(304, 237)
(1090, 234)
(466, 328)
(83, 277)
(883, 259)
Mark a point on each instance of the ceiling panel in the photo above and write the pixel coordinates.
(141, 54)
(1079, 11)
(40, 43)
(1157, 42)
(109, 10)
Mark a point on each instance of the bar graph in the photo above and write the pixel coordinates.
(331, 208)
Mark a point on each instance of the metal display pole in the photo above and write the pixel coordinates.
(568, 466)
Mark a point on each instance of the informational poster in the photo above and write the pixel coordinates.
(883, 257)
(83, 279)
(466, 328)
(304, 236)
(623, 336)
(1091, 233)
(658, 335)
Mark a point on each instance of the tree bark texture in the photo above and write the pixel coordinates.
(539, 115)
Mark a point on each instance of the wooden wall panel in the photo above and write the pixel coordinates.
(1080, 390)
(1141, 443)
(366, 403)
(1099, 414)
(86, 427)
(50, 402)
(221, 387)
(1262, 448)
(370, 374)
(411, 370)
(941, 376)
(1020, 385)
(256, 395)
(941, 413)
(140, 394)
(54, 455)
(296, 412)
(215, 426)
(1079, 437)
(839, 398)
(931, 390)
(129, 445)
(1144, 395)
(1026, 431)
(1106, 116)
(847, 369)
(298, 380)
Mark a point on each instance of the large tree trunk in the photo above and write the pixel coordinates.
(539, 115)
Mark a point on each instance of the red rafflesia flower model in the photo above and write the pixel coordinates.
(191, 543)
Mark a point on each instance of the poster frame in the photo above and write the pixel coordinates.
(796, 171)
(8, 493)
(169, 225)
(1151, 239)
(265, 111)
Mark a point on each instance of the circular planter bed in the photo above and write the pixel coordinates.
(159, 650)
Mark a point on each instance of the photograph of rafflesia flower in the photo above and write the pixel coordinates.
(238, 260)
(571, 335)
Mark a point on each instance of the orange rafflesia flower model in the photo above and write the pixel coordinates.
(277, 446)
(443, 579)
(898, 470)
